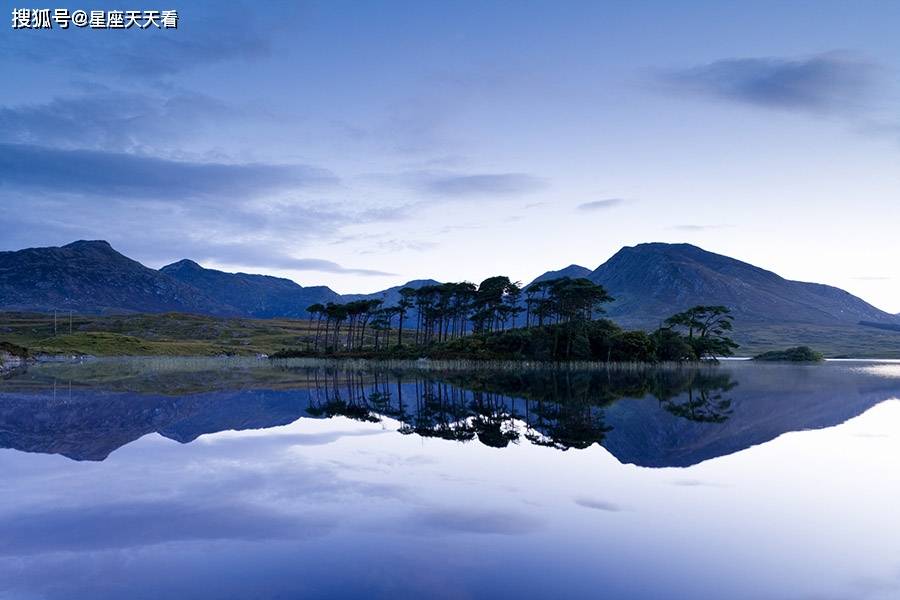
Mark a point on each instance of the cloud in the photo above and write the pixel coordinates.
(399, 245)
(462, 227)
(462, 520)
(494, 184)
(226, 230)
(265, 254)
(106, 164)
(824, 83)
(378, 243)
(425, 122)
(416, 126)
(598, 504)
(138, 524)
(875, 586)
(325, 266)
(872, 278)
(432, 186)
(694, 483)
(601, 204)
(113, 120)
(273, 439)
(123, 175)
(690, 227)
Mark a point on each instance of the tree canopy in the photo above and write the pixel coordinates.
(562, 321)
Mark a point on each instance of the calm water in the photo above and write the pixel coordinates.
(234, 479)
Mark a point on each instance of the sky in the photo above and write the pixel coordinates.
(362, 145)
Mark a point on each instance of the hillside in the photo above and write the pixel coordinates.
(258, 296)
(651, 281)
(91, 277)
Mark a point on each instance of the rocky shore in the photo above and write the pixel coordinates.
(12, 357)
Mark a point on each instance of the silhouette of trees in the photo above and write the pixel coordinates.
(318, 310)
(449, 311)
(561, 409)
(381, 322)
(336, 314)
(406, 302)
(562, 322)
(703, 400)
(565, 299)
(706, 327)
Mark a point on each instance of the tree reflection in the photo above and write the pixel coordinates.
(702, 400)
(331, 401)
(439, 414)
(554, 408)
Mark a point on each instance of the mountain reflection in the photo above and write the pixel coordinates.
(668, 416)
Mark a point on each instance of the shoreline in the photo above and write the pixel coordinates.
(453, 364)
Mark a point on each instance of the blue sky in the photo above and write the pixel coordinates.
(360, 145)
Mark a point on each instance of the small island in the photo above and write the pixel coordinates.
(550, 320)
(797, 354)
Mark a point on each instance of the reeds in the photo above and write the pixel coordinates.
(163, 364)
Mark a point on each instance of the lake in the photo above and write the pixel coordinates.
(234, 478)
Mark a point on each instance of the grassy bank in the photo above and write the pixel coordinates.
(836, 341)
(170, 334)
(175, 334)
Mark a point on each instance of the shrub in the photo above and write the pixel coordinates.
(796, 354)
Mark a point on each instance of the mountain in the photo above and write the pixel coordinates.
(652, 281)
(259, 296)
(390, 296)
(572, 271)
(649, 282)
(91, 277)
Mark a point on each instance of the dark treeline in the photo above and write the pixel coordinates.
(555, 319)
(559, 409)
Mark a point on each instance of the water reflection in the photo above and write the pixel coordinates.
(647, 416)
(310, 481)
(704, 402)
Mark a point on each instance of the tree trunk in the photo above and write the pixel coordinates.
(318, 325)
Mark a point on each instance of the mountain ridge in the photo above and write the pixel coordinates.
(90, 276)
(649, 282)
(258, 296)
(573, 271)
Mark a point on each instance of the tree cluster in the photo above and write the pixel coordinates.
(356, 314)
(449, 311)
(464, 320)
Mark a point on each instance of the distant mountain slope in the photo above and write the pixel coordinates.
(390, 296)
(572, 271)
(91, 277)
(257, 296)
(652, 281)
